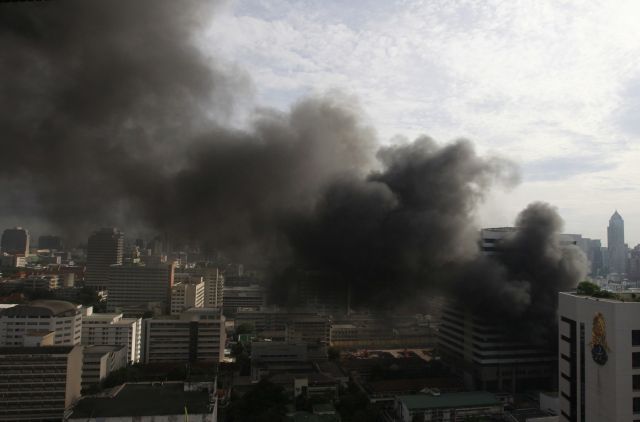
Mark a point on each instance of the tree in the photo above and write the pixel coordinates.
(587, 288)
(265, 402)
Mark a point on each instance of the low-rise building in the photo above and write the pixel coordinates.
(235, 297)
(99, 361)
(39, 383)
(447, 407)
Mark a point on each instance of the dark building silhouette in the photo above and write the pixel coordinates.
(50, 242)
(105, 248)
(15, 241)
(615, 244)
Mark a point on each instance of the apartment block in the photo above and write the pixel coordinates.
(63, 318)
(113, 329)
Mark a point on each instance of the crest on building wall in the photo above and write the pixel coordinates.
(599, 347)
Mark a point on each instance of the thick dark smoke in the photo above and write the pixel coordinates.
(110, 113)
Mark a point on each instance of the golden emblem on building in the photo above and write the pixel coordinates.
(599, 347)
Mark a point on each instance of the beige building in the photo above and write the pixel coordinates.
(186, 295)
(39, 383)
(99, 361)
(113, 329)
(599, 358)
(214, 285)
(196, 335)
(63, 318)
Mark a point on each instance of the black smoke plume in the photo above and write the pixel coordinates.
(112, 113)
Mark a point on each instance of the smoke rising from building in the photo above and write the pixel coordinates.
(110, 112)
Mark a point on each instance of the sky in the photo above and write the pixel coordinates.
(552, 85)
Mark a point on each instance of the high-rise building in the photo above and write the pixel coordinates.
(105, 329)
(615, 244)
(134, 285)
(599, 358)
(198, 335)
(50, 242)
(62, 318)
(104, 249)
(15, 241)
(39, 383)
(99, 361)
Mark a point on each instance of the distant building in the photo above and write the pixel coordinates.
(99, 361)
(63, 318)
(50, 242)
(104, 249)
(198, 335)
(447, 407)
(39, 383)
(599, 355)
(157, 401)
(213, 286)
(633, 270)
(113, 329)
(252, 296)
(15, 261)
(185, 296)
(15, 241)
(615, 244)
(133, 285)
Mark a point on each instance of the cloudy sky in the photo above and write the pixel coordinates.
(552, 85)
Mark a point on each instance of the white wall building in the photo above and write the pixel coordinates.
(599, 358)
(186, 295)
(63, 318)
(113, 329)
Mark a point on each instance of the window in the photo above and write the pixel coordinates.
(635, 360)
(636, 405)
(635, 338)
(636, 382)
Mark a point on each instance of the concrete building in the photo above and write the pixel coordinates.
(99, 361)
(235, 297)
(63, 318)
(104, 249)
(15, 241)
(15, 261)
(146, 402)
(197, 335)
(187, 295)
(113, 329)
(39, 383)
(214, 285)
(599, 355)
(447, 407)
(615, 245)
(134, 285)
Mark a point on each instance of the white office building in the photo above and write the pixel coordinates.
(599, 358)
(112, 329)
(186, 295)
(62, 318)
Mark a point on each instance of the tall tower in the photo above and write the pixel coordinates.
(105, 248)
(615, 246)
(15, 241)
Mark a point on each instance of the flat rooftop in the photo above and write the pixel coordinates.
(449, 400)
(144, 399)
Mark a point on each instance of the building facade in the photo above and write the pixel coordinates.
(113, 329)
(99, 361)
(187, 295)
(599, 358)
(133, 285)
(104, 249)
(15, 241)
(39, 383)
(197, 335)
(63, 318)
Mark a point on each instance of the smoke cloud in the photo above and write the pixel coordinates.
(110, 113)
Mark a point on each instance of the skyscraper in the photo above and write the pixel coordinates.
(105, 248)
(616, 247)
(15, 241)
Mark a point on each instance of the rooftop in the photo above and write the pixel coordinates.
(449, 400)
(42, 308)
(41, 350)
(144, 399)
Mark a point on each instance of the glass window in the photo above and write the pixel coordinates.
(636, 382)
(635, 338)
(635, 359)
(636, 405)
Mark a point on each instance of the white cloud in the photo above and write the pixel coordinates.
(552, 84)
